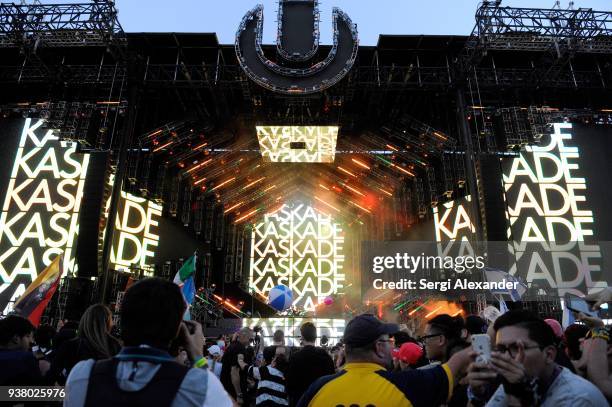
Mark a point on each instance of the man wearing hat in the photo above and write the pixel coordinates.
(408, 355)
(365, 380)
(214, 359)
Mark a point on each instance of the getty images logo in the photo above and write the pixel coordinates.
(300, 68)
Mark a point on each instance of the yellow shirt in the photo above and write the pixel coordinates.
(370, 385)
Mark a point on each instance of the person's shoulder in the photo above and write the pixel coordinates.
(80, 372)
(577, 387)
(317, 386)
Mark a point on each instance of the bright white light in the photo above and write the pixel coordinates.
(300, 248)
(332, 328)
(136, 234)
(40, 213)
(298, 144)
(546, 199)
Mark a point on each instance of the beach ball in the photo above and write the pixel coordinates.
(280, 297)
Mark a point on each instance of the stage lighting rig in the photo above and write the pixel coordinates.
(298, 73)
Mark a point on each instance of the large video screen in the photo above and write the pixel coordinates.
(42, 194)
(333, 329)
(301, 248)
(297, 144)
(136, 235)
(557, 215)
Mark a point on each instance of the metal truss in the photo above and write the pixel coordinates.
(560, 32)
(59, 25)
(361, 77)
(506, 28)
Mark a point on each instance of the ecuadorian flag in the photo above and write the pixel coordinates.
(34, 300)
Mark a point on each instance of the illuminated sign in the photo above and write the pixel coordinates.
(298, 144)
(40, 214)
(454, 228)
(136, 234)
(551, 224)
(332, 328)
(300, 248)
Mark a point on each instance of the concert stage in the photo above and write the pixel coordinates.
(300, 163)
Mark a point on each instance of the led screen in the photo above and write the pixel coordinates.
(136, 235)
(40, 212)
(551, 220)
(301, 248)
(298, 144)
(332, 328)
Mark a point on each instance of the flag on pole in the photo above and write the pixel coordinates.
(34, 300)
(184, 279)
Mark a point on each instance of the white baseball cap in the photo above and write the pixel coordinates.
(214, 350)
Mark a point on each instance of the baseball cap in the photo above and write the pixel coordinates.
(409, 353)
(556, 327)
(365, 329)
(214, 350)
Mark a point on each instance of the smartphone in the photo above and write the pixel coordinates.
(481, 344)
(578, 304)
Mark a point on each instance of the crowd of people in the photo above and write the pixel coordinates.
(162, 360)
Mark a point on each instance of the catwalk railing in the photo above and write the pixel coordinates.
(59, 25)
(382, 77)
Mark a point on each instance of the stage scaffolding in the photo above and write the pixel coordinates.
(60, 25)
(563, 32)
(483, 67)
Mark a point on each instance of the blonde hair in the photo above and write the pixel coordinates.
(95, 326)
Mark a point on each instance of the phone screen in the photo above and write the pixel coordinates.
(577, 304)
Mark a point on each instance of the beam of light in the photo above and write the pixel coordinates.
(386, 192)
(391, 147)
(360, 207)
(253, 183)
(269, 188)
(477, 107)
(347, 172)
(440, 136)
(389, 163)
(230, 305)
(233, 207)
(324, 187)
(327, 204)
(417, 308)
(401, 305)
(198, 182)
(457, 313)
(359, 163)
(200, 146)
(202, 164)
(223, 183)
(162, 146)
(107, 102)
(432, 312)
(402, 169)
(354, 190)
(240, 219)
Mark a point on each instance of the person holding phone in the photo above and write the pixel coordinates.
(596, 360)
(522, 369)
(144, 372)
